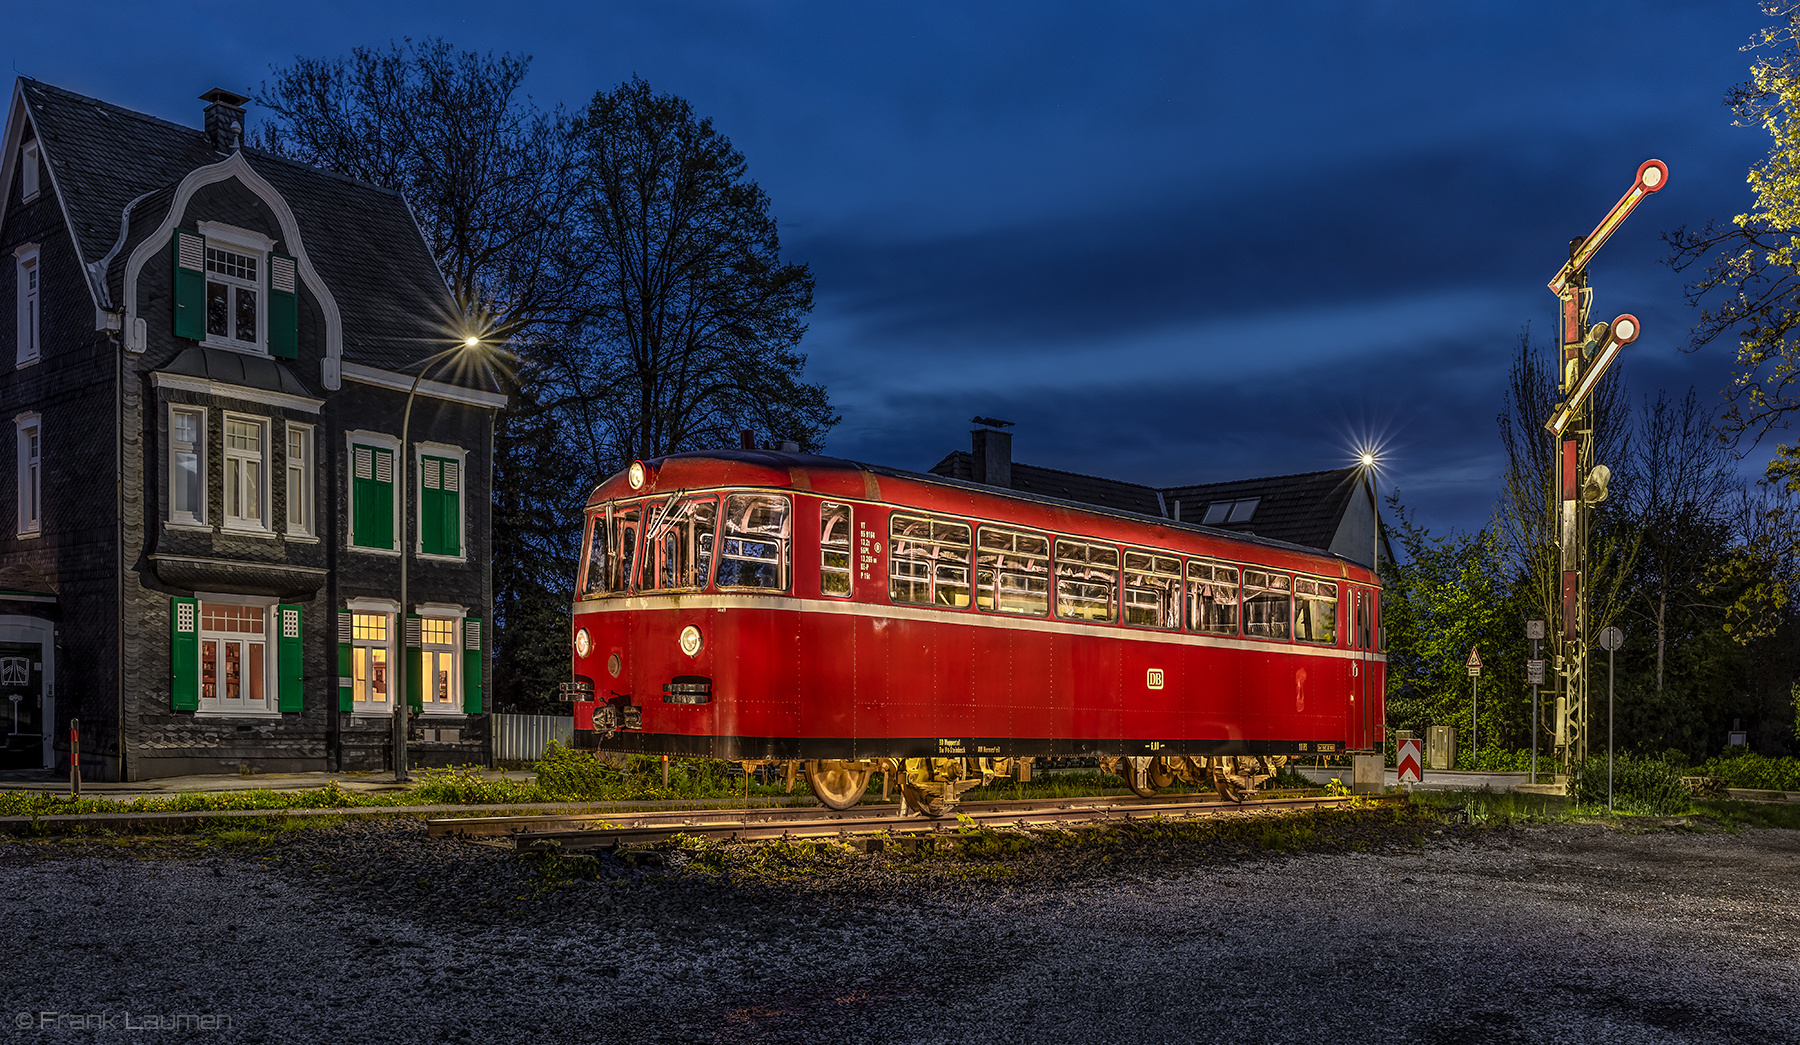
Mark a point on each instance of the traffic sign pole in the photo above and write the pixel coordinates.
(1474, 666)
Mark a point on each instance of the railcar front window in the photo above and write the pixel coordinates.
(1212, 597)
(834, 549)
(1152, 590)
(1266, 604)
(593, 570)
(1012, 572)
(1087, 581)
(1315, 611)
(755, 544)
(678, 549)
(621, 551)
(928, 561)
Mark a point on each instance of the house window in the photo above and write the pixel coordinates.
(246, 465)
(299, 479)
(187, 466)
(439, 651)
(440, 500)
(370, 680)
(372, 496)
(29, 172)
(30, 473)
(234, 658)
(29, 313)
(1222, 512)
(231, 295)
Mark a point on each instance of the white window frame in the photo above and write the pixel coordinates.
(175, 516)
(252, 244)
(30, 473)
(31, 175)
(227, 456)
(28, 279)
(214, 706)
(422, 450)
(381, 441)
(454, 615)
(390, 610)
(300, 490)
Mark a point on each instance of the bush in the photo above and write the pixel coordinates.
(571, 775)
(1755, 771)
(1648, 786)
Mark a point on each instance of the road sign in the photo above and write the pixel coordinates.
(1473, 663)
(1611, 639)
(1411, 765)
(1534, 672)
(1534, 629)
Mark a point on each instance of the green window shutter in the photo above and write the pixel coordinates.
(190, 285)
(415, 665)
(440, 521)
(287, 656)
(472, 666)
(346, 682)
(284, 308)
(448, 503)
(372, 493)
(184, 653)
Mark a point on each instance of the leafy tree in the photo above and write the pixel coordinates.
(691, 331)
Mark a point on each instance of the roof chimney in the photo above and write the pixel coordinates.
(992, 457)
(224, 119)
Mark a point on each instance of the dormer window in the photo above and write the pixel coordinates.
(233, 291)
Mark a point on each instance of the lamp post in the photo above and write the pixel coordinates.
(1368, 462)
(401, 724)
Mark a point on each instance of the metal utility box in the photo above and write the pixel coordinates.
(1440, 747)
(1368, 774)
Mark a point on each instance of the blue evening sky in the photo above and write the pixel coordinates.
(1175, 242)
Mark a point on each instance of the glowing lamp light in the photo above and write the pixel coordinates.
(1368, 459)
(471, 341)
(638, 475)
(584, 643)
(690, 640)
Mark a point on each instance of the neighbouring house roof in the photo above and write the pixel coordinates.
(1305, 509)
(361, 238)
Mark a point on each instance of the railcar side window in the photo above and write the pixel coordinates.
(1152, 590)
(621, 548)
(928, 561)
(754, 547)
(1012, 572)
(1212, 597)
(1315, 611)
(834, 549)
(593, 570)
(1087, 581)
(678, 549)
(1266, 611)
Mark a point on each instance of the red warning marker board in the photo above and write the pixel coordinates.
(1411, 763)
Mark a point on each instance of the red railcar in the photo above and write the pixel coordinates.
(778, 607)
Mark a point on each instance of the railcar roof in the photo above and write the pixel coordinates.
(777, 467)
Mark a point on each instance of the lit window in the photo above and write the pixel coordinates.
(30, 473)
(1267, 609)
(834, 549)
(1087, 581)
(246, 457)
(928, 561)
(369, 661)
(438, 661)
(753, 548)
(678, 553)
(1152, 590)
(299, 479)
(187, 466)
(234, 658)
(1212, 597)
(1012, 572)
(29, 313)
(1315, 611)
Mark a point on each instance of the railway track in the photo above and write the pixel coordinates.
(569, 833)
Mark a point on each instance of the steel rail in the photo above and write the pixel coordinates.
(602, 832)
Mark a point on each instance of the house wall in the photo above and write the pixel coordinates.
(73, 386)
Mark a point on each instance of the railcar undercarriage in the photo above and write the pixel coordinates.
(931, 787)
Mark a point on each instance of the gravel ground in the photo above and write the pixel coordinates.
(368, 932)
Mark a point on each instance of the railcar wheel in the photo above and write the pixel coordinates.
(839, 784)
(1137, 774)
(1237, 776)
(1160, 773)
(929, 787)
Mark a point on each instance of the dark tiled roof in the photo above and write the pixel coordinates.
(1067, 486)
(1303, 509)
(361, 238)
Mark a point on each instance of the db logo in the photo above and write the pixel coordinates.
(1154, 678)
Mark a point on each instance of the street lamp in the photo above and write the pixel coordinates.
(1368, 463)
(469, 344)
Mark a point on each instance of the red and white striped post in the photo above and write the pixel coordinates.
(75, 758)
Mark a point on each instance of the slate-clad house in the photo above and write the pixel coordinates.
(211, 353)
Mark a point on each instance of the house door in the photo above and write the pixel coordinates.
(21, 705)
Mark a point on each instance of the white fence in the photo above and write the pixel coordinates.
(523, 738)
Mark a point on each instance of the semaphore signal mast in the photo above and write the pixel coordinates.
(1585, 354)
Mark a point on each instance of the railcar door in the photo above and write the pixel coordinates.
(1363, 686)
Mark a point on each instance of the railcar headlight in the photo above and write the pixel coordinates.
(638, 475)
(584, 643)
(690, 640)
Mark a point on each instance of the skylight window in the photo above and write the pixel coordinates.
(1222, 512)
